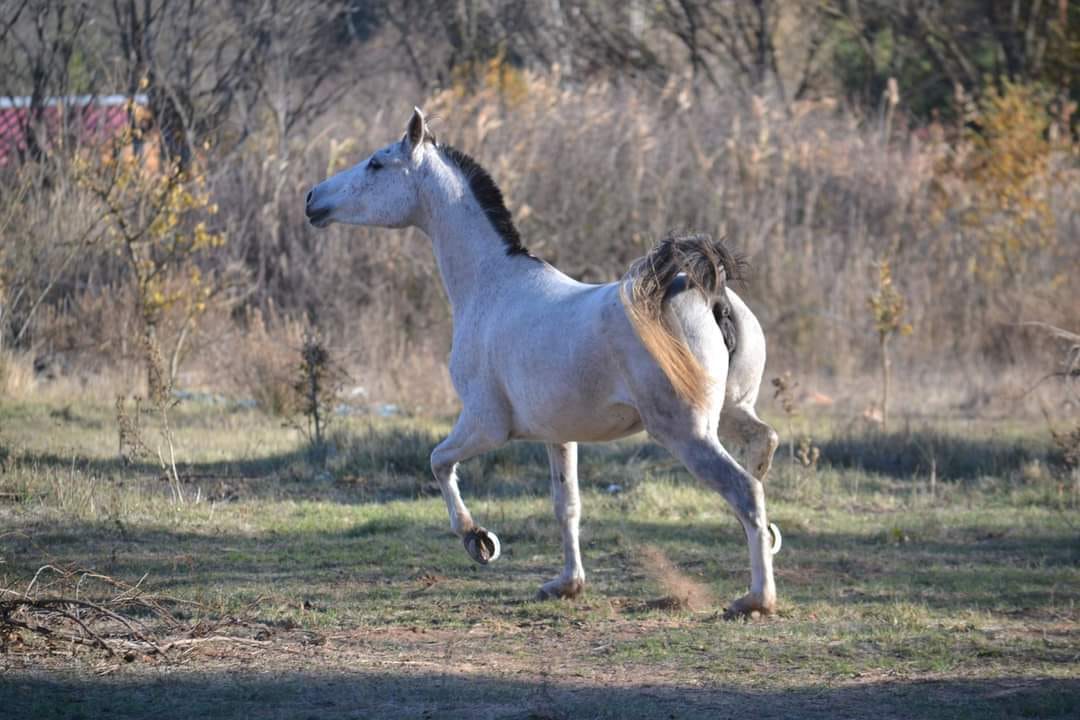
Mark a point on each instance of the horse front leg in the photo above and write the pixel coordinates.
(567, 501)
(467, 440)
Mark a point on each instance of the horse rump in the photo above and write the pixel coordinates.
(676, 263)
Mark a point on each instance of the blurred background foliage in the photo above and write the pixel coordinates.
(821, 137)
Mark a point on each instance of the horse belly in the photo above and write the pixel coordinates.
(610, 423)
(579, 424)
(579, 402)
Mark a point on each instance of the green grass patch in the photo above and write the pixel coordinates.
(901, 594)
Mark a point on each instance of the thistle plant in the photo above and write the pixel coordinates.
(784, 391)
(317, 384)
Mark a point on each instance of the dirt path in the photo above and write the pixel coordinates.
(502, 671)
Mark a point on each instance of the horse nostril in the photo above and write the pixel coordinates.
(307, 200)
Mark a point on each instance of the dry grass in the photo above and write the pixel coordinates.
(17, 376)
(593, 178)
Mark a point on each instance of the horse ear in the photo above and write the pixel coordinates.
(417, 130)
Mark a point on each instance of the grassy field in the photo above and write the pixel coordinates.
(932, 572)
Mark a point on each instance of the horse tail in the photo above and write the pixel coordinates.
(695, 260)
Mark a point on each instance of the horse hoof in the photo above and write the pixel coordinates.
(560, 589)
(482, 545)
(750, 605)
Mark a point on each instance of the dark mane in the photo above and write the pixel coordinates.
(489, 196)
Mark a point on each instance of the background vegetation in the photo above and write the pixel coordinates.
(821, 138)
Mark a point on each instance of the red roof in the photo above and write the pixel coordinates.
(82, 119)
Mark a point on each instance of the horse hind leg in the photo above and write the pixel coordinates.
(465, 441)
(746, 368)
(567, 502)
(711, 464)
(740, 422)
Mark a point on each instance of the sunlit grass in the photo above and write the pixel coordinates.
(882, 575)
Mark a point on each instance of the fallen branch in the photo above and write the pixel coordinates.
(187, 642)
(47, 609)
(94, 638)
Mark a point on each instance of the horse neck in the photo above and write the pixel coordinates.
(470, 253)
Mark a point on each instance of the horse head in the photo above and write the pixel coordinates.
(381, 190)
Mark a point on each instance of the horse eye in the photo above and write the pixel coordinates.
(374, 164)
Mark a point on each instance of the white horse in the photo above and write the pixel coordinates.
(539, 356)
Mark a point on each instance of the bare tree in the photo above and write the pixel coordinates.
(39, 38)
(939, 46)
(187, 59)
(744, 39)
(605, 38)
(292, 70)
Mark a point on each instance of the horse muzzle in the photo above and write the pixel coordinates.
(316, 215)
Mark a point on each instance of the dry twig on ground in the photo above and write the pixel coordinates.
(121, 619)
